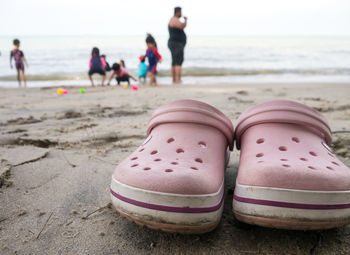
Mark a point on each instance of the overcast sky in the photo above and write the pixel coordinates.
(136, 17)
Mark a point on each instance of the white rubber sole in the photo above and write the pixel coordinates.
(166, 208)
(287, 206)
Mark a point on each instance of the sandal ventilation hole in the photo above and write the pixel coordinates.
(303, 159)
(260, 161)
(260, 140)
(330, 168)
(154, 152)
(202, 144)
(174, 163)
(170, 140)
(157, 159)
(311, 167)
(285, 165)
(134, 165)
(199, 160)
(147, 168)
(134, 158)
(282, 148)
(335, 163)
(180, 150)
(284, 159)
(142, 150)
(259, 155)
(169, 170)
(194, 168)
(313, 153)
(295, 139)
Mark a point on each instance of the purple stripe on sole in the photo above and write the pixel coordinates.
(290, 205)
(169, 208)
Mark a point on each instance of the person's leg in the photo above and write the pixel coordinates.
(24, 78)
(19, 77)
(173, 74)
(179, 61)
(92, 82)
(103, 80)
(155, 80)
(126, 78)
(178, 70)
(118, 80)
(151, 79)
(172, 49)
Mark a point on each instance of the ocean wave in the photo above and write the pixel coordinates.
(201, 72)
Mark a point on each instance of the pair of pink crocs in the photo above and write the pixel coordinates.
(287, 177)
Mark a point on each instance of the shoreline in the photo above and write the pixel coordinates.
(187, 85)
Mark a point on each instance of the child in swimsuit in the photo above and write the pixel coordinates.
(97, 64)
(142, 70)
(121, 73)
(19, 62)
(153, 58)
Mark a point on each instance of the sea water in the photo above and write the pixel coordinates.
(63, 60)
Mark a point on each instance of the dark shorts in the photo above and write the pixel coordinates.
(123, 78)
(152, 68)
(20, 66)
(177, 52)
(100, 71)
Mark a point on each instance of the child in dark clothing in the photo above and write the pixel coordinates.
(19, 61)
(153, 58)
(121, 73)
(97, 64)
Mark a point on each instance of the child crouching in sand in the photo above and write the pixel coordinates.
(153, 58)
(97, 64)
(121, 73)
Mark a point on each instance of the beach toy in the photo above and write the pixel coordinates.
(134, 87)
(175, 180)
(60, 91)
(288, 177)
(125, 86)
(65, 92)
(82, 90)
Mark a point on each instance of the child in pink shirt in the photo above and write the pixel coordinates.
(121, 73)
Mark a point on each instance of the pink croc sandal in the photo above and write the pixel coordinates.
(175, 180)
(288, 177)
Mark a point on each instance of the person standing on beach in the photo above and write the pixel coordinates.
(153, 59)
(176, 43)
(19, 62)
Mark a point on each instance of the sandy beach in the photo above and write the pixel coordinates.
(58, 152)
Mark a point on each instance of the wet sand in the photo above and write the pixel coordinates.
(57, 154)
